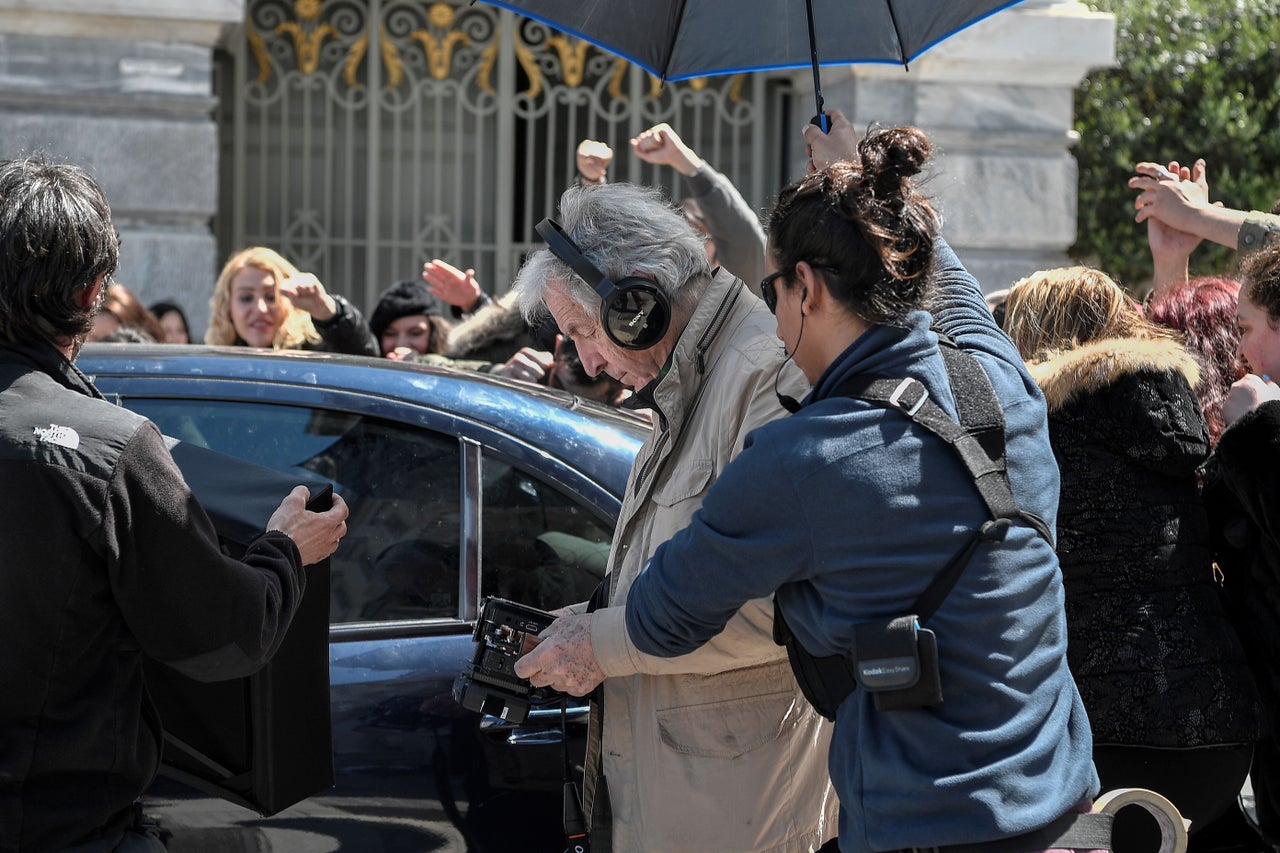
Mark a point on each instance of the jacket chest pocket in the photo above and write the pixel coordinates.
(667, 511)
(684, 480)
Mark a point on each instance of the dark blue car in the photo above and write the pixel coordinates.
(460, 486)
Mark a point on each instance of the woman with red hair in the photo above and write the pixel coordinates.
(1204, 310)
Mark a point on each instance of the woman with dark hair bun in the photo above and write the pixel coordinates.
(847, 511)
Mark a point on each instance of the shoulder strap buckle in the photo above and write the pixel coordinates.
(906, 385)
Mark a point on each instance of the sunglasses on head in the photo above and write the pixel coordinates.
(770, 294)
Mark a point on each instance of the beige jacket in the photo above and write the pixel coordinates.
(715, 750)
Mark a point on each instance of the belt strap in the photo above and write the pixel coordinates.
(1071, 832)
(596, 807)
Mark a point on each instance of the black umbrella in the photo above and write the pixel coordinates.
(679, 39)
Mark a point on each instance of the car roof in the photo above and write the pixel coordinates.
(529, 412)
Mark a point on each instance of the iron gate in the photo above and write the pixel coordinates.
(362, 137)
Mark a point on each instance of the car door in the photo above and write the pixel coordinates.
(442, 512)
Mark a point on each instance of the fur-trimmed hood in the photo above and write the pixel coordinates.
(497, 323)
(1094, 366)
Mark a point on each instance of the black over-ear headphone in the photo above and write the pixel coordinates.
(634, 313)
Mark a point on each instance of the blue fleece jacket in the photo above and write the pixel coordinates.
(848, 510)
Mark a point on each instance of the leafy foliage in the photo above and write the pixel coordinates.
(1195, 78)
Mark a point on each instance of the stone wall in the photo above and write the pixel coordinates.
(124, 89)
(997, 101)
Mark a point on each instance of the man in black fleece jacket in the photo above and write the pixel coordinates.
(107, 555)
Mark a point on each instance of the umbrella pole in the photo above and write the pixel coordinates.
(897, 32)
(820, 118)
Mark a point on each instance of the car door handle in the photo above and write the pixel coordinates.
(542, 719)
(534, 737)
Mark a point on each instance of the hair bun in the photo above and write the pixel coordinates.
(848, 194)
(890, 157)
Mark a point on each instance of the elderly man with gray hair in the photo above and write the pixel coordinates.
(716, 750)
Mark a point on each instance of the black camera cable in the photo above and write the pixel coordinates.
(575, 825)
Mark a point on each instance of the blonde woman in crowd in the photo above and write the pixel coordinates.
(262, 300)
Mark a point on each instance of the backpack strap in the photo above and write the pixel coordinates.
(978, 439)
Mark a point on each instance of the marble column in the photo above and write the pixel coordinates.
(124, 89)
(998, 102)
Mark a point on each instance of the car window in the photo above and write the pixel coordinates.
(540, 546)
(399, 559)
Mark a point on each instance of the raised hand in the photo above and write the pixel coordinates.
(447, 282)
(838, 144)
(1247, 394)
(593, 159)
(307, 294)
(663, 146)
(1170, 193)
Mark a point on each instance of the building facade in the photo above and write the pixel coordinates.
(363, 137)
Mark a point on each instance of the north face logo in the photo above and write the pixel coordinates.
(59, 435)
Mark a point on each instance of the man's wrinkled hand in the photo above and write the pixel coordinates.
(563, 659)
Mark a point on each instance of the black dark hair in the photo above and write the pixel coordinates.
(1260, 280)
(402, 299)
(867, 221)
(56, 239)
(159, 309)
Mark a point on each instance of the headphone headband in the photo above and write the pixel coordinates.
(566, 250)
(634, 313)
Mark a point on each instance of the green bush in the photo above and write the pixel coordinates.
(1195, 78)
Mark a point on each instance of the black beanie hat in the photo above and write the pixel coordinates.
(401, 300)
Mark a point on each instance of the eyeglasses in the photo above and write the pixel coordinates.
(770, 295)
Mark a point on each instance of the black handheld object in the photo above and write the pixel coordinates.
(822, 121)
(896, 661)
(489, 684)
(321, 500)
(635, 314)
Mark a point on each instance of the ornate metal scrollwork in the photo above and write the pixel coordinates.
(439, 48)
(307, 35)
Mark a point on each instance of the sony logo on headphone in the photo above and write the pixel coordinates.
(640, 315)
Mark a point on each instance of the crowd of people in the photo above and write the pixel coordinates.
(934, 574)
(445, 317)
(1133, 646)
